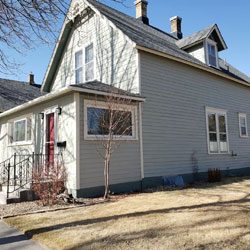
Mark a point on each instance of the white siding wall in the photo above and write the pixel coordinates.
(115, 56)
(174, 123)
(66, 132)
(125, 163)
(198, 52)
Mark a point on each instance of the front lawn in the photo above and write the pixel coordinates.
(205, 217)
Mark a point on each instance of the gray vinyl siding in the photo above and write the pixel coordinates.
(174, 122)
(66, 132)
(125, 162)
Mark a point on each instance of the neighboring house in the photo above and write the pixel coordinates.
(194, 115)
(14, 93)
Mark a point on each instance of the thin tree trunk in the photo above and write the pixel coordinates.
(106, 169)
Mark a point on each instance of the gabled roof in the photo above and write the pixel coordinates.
(194, 38)
(141, 34)
(14, 93)
(201, 35)
(144, 37)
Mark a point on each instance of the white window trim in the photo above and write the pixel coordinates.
(211, 42)
(21, 143)
(243, 115)
(209, 110)
(82, 48)
(122, 107)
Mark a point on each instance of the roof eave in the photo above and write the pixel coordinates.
(192, 44)
(36, 101)
(61, 43)
(103, 93)
(63, 91)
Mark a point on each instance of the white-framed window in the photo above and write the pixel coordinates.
(78, 67)
(217, 131)
(243, 125)
(89, 62)
(20, 131)
(212, 53)
(97, 117)
(84, 64)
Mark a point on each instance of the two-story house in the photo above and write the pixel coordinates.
(189, 108)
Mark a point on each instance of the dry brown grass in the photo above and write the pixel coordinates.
(205, 217)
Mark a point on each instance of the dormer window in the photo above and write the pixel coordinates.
(212, 54)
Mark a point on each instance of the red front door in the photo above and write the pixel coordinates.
(50, 138)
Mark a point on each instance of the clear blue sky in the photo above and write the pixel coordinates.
(233, 18)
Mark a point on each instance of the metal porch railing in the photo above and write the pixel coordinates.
(17, 171)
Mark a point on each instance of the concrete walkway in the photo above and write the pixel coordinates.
(11, 239)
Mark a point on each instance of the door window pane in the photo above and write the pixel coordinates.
(217, 129)
(212, 122)
(222, 123)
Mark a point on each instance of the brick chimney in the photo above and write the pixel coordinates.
(141, 11)
(31, 80)
(176, 26)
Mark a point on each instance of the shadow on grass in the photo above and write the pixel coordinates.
(238, 202)
(149, 234)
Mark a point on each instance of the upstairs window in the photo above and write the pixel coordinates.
(217, 131)
(84, 64)
(78, 67)
(243, 125)
(89, 62)
(212, 54)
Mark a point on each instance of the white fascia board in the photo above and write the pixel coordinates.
(54, 51)
(102, 93)
(216, 28)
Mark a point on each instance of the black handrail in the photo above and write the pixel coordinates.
(24, 165)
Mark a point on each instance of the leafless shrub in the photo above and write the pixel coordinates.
(49, 181)
(214, 175)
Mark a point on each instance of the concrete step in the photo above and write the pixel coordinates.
(11, 191)
(3, 198)
(20, 195)
(12, 199)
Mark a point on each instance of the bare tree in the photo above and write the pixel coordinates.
(112, 124)
(26, 23)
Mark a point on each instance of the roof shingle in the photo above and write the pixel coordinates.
(14, 93)
(153, 38)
